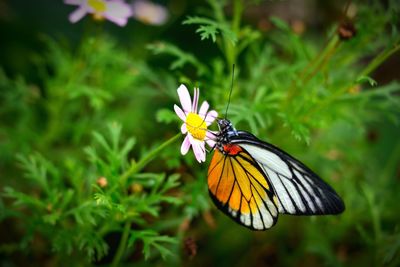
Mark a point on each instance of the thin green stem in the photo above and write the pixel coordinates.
(313, 67)
(137, 166)
(219, 16)
(237, 15)
(332, 42)
(379, 59)
(333, 45)
(375, 63)
(230, 49)
(122, 245)
(217, 9)
(370, 196)
(389, 169)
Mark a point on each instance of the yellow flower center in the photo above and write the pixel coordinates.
(99, 6)
(196, 126)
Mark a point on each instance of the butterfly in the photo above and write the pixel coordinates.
(253, 181)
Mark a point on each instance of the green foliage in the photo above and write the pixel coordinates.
(152, 239)
(182, 58)
(81, 214)
(75, 185)
(209, 29)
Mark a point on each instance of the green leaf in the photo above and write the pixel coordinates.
(128, 146)
(151, 239)
(100, 139)
(22, 199)
(51, 218)
(394, 249)
(102, 199)
(368, 79)
(114, 130)
(37, 169)
(182, 58)
(63, 242)
(171, 182)
(209, 28)
(93, 244)
(280, 24)
(166, 116)
(207, 31)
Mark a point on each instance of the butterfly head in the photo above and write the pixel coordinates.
(226, 130)
(224, 125)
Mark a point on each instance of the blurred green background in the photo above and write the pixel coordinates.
(86, 109)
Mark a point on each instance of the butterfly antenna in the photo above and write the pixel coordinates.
(230, 92)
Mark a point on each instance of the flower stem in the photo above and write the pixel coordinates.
(375, 63)
(230, 49)
(378, 60)
(122, 245)
(326, 56)
(137, 166)
(312, 68)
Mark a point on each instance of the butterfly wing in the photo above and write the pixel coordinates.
(238, 187)
(298, 189)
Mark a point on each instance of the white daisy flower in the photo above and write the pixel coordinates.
(116, 11)
(195, 123)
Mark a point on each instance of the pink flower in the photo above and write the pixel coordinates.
(116, 11)
(149, 13)
(195, 123)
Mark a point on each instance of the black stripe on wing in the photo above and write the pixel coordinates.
(300, 191)
(263, 210)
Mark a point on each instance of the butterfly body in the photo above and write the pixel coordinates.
(253, 181)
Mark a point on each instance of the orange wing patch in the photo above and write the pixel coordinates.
(215, 171)
(239, 188)
(225, 185)
(234, 201)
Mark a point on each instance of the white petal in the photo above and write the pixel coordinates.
(195, 99)
(73, 2)
(119, 21)
(184, 97)
(203, 151)
(204, 108)
(78, 14)
(185, 145)
(197, 153)
(183, 128)
(180, 113)
(211, 135)
(210, 138)
(211, 143)
(211, 116)
(199, 150)
(118, 12)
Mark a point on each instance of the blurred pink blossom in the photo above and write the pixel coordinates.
(116, 11)
(149, 13)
